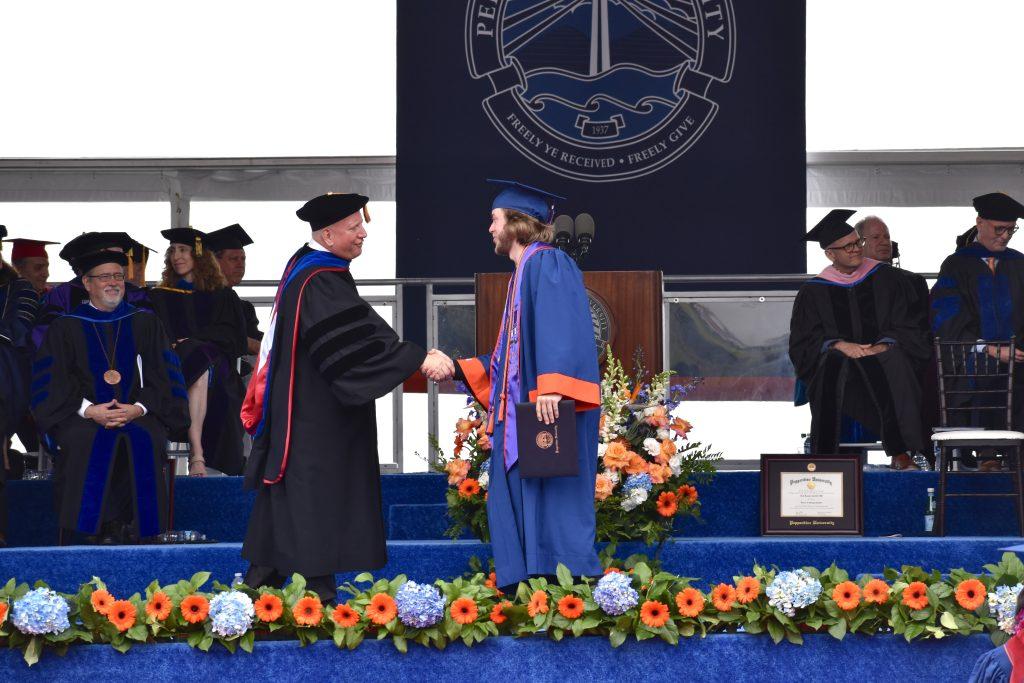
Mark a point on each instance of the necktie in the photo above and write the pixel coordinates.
(991, 261)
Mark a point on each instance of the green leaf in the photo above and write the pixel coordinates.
(33, 650)
(794, 638)
(198, 579)
(564, 576)
(400, 644)
(838, 629)
(206, 643)
(776, 631)
(948, 620)
(616, 637)
(246, 641)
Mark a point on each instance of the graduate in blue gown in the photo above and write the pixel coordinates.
(545, 352)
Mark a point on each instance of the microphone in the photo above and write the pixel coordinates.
(563, 232)
(584, 236)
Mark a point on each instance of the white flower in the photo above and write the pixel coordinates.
(634, 499)
(601, 448)
(652, 446)
(613, 475)
(675, 463)
(485, 478)
(664, 434)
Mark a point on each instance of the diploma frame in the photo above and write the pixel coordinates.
(785, 477)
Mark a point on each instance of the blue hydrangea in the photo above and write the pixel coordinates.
(638, 481)
(40, 612)
(419, 605)
(615, 594)
(790, 591)
(231, 614)
(1002, 604)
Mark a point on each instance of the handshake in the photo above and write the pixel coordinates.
(437, 366)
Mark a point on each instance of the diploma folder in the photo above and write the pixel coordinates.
(547, 450)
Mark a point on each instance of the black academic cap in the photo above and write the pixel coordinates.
(86, 262)
(996, 206)
(89, 242)
(831, 228)
(187, 236)
(231, 237)
(330, 208)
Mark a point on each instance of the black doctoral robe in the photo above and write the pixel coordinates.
(314, 461)
(107, 472)
(213, 327)
(881, 391)
(971, 302)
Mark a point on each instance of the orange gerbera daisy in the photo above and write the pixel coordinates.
(846, 595)
(876, 591)
(344, 616)
(970, 594)
(159, 606)
(469, 488)
(122, 615)
(308, 611)
(723, 596)
(538, 604)
(492, 582)
(498, 612)
(269, 607)
(915, 596)
(667, 504)
(690, 602)
(570, 607)
(747, 590)
(194, 608)
(687, 494)
(637, 464)
(464, 611)
(382, 609)
(3, 612)
(616, 456)
(101, 601)
(654, 614)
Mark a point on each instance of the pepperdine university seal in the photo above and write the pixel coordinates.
(601, 90)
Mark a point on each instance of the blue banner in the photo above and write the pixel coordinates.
(677, 124)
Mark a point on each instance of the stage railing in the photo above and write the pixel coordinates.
(731, 330)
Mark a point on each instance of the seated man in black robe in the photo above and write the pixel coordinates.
(107, 388)
(979, 295)
(228, 246)
(854, 343)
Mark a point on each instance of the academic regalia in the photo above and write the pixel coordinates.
(535, 524)
(213, 326)
(971, 302)
(68, 296)
(326, 358)
(880, 391)
(108, 474)
(1004, 664)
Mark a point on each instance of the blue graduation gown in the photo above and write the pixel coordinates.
(535, 524)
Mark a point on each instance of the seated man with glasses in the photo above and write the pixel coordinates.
(853, 342)
(107, 387)
(980, 291)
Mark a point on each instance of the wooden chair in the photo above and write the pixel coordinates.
(973, 384)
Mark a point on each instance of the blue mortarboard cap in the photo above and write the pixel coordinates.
(525, 199)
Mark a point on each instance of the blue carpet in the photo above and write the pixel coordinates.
(130, 568)
(894, 503)
(721, 657)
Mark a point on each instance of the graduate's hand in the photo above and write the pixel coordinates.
(547, 408)
(102, 414)
(437, 366)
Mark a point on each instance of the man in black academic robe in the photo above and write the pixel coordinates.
(979, 294)
(107, 388)
(228, 246)
(310, 407)
(854, 343)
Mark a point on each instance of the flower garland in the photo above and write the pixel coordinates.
(630, 600)
(647, 468)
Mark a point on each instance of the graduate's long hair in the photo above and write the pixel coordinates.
(206, 275)
(526, 229)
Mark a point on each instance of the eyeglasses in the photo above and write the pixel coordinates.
(1001, 230)
(107, 277)
(849, 248)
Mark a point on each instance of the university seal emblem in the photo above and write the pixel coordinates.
(601, 90)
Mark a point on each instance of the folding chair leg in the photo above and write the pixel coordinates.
(172, 465)
(940, 512)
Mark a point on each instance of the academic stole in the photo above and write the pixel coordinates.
(511, 380)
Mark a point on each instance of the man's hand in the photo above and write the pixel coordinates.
(103, 414)
(1003, 353)
(547, 408)
(876, 349)
(851, 350)
(127, 412)
(437, 366)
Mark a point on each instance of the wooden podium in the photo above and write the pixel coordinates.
(625, 307)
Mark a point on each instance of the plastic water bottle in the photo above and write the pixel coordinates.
(807, 443)
(237, 581)
(929, 513)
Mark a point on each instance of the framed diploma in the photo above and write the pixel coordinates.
(811, 494)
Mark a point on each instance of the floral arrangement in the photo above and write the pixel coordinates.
(633, 600)
(647, 469)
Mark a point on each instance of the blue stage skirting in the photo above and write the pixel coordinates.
(128, 569)
(894, 503)
(721, 657)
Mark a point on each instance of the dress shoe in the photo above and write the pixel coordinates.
(903, 462)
